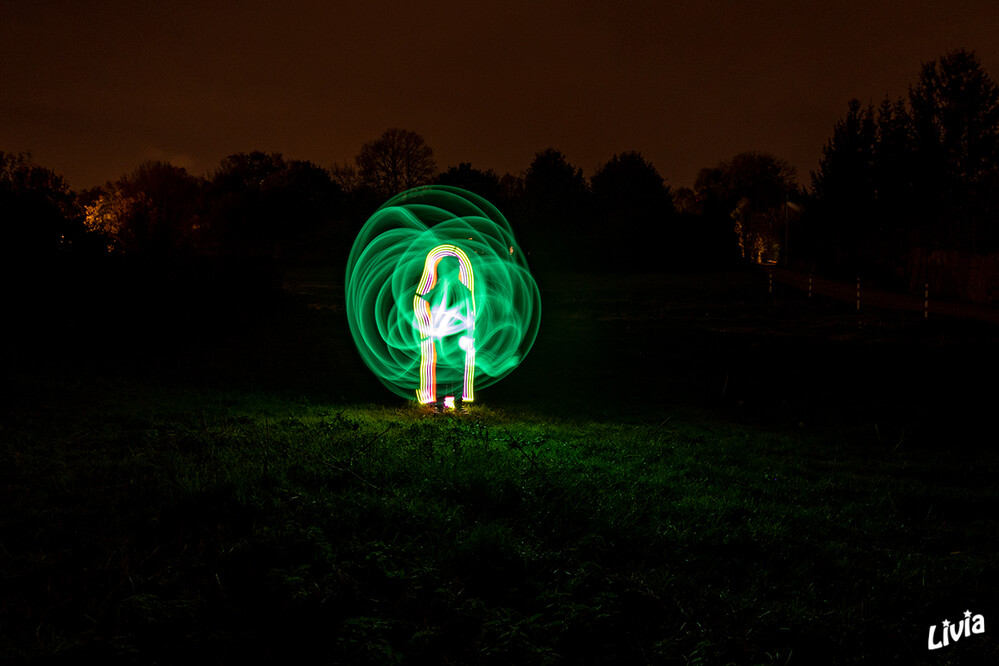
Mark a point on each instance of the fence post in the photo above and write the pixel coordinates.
(858, 294)
(926, 300)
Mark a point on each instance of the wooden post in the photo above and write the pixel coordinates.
(926, 300)
(771, 281)
(809, 285)
(858, 294)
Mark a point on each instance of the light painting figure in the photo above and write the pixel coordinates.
(439, 297)
(444, 309)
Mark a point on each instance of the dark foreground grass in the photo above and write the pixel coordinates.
(149, 524)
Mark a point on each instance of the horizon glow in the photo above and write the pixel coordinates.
(439, 296)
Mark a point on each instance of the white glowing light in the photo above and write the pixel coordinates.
(445, 321)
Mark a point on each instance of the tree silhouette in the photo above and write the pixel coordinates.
(555, 211)
(46, 262)
(152, 211)
(899, 182)
(265, 207)
(846, 169)
(631, 197)
(845, 183)
(39, 218)
(865, 188)
(484, 183)
(749, 194)
(344, 175)
(398, 160)
(955, 115)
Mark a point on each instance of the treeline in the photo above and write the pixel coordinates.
(903, 189)
(908, 191)
(263, 209)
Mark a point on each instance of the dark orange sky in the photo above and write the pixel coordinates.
(93, 89)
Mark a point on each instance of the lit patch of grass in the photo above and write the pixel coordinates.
(173, 522)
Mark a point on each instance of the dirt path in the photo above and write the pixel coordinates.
(847, 292)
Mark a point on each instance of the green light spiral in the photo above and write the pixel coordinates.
(383, 276)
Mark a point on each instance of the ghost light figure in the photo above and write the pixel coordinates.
(439, 296)
(444, 308)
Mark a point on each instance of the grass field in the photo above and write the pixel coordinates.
(685, 470)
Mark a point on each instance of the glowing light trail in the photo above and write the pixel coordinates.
(443, 321)
(439, 294)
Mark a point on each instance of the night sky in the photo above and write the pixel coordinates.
(93, 89)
